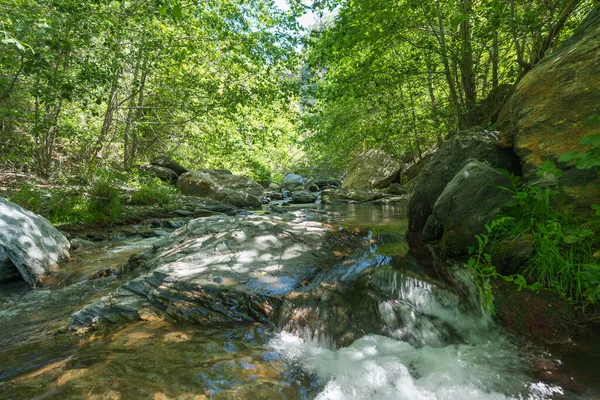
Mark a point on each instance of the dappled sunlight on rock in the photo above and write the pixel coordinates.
(30, 242)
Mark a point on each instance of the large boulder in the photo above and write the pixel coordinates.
(372, 169)
(29, 243)
(469, 201)
(555, 105)
(218, 269)
(230, 189)
(293, 182)
(167, 162)
(451, 157)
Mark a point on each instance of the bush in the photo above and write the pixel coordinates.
(153, 191)
(565, 248)
(105, 200)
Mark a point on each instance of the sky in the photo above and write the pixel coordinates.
(306, 20)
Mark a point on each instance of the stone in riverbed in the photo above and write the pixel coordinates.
(303, 197)
(292, 182)
(29, 242)
(467, 204)
(475, 144)
(344, 196)
(218, 269)
(230, 189)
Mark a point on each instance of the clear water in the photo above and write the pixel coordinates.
(404, 333)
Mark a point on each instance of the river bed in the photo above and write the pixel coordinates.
(432, 344)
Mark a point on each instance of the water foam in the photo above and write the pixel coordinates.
(377, 367)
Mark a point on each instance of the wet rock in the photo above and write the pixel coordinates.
(303, 197)
(469, 201)
(475, 144)
(274, 196)
(183, 213)
(218, 269)
(103, 273)
(167, 162)
(78, 243)
(292, 182)
(540, 316)
(372, 169)
(343, 196)
(230, 189)
(552, 110)
(29, 242)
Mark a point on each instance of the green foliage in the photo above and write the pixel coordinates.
(105, 200)
(565, 249)
(153, 191)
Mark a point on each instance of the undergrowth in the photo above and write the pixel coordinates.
(566, 247)
(101, 201)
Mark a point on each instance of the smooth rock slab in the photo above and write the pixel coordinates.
(218, 269)
(29, 242)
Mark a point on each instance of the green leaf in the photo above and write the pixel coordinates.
(456, 21)
(569, 156)
(511, 203)
(591, 140)
(550, 168)
(176, 12)
(163, 11)
(588, 161)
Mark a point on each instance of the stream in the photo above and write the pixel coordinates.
(416, 338)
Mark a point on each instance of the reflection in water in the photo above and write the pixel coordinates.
(380, 324)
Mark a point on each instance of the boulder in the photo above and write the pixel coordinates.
(163, 173)
(292, 182)
(167, 162)
(555, 105)
(469, 201)
(372, 169)
(397, 189)
(29, 243)
(218, 269)
(451, 157)
(343, 196)
(311, 187)
(303, 197)
(275, 187)
(230, 189)
(413, 168)
(274, 195)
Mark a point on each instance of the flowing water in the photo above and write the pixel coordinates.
(385, 323)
